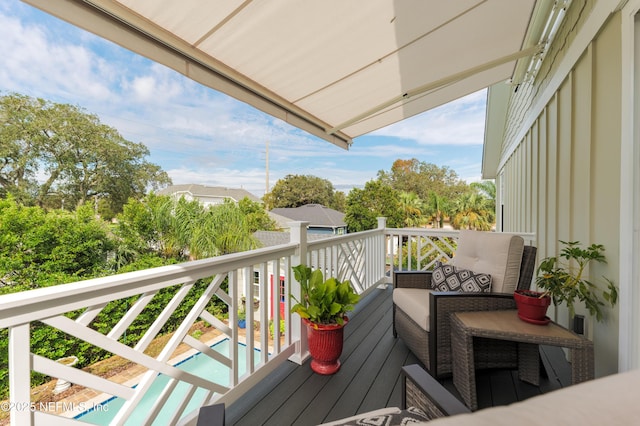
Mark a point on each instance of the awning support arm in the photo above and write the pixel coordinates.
(439, 83)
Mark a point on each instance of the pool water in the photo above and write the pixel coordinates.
(199, 365)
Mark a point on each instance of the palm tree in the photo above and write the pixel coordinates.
(439, 207)
(486, 188)
(214, 231)
(412, 208)
(472, 211)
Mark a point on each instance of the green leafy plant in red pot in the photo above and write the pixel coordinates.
(562, 279)
(323, 306)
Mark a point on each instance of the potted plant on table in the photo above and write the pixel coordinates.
(323, 306)
(561, 279)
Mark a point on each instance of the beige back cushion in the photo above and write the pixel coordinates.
(495, 253)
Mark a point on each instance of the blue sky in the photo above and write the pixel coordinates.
(198, 135)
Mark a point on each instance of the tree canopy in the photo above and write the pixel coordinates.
(39, 248)
(182, 229)
(57, 155)
(377, 199)
(422, 178)
(300, 190)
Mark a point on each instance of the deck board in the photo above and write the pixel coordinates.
(368, 379)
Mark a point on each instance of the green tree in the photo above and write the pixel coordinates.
(39, 249)
(182, 229)
(412, 209)
(339, 202)
(257, 217)
(487, 189)
(423, 178)
(299, 190)
(377, 199)
(472, 211)
(438, 207)
(57, 154)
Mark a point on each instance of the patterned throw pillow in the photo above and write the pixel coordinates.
(449, 278)
(409, 416)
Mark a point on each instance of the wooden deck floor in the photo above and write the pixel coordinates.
(369, 377)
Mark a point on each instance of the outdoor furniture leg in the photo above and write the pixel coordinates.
(582, 363)
(464, 375)
(529, 363)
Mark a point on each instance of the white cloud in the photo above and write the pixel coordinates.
(460, 122)
(33, 64)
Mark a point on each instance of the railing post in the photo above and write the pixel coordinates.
(382, 222)
(20, 375)
(299, 333)
(381, 249)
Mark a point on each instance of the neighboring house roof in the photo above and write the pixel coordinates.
(281, 221)
(316, 214)
(207, 192)
(274, 238)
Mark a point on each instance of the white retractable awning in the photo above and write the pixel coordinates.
(335, 68)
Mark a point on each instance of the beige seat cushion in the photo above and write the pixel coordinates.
(495, 253)
(611, 400)
(415, 303)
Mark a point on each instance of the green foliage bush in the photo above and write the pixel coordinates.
(40, 248)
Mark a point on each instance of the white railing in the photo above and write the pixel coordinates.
(71, 308)
(418, 249)
(355, 257)
(365, 258)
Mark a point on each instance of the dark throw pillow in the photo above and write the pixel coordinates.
(450, 278)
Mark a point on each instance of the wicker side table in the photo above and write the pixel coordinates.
(505, 325)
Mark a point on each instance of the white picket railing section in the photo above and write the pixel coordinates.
(365, 258)
(418, 249)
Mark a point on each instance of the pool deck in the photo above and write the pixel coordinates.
(80, 400)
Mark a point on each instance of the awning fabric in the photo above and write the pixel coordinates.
(335, 68)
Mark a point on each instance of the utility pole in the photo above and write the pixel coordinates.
(267, 169)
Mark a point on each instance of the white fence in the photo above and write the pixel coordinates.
(365, 258)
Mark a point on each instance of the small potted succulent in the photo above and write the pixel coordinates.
(323, 306)
(562, 279)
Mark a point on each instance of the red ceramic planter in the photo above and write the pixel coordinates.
(531, 307)
(325, 346)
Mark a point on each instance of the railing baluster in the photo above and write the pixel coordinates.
(248, 306)
(233, 317)
(264, 309)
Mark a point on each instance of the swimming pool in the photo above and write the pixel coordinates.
(198, 364)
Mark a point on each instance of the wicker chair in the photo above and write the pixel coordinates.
(432, 345)
(420, 391)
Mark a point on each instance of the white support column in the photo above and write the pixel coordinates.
(20, 375)
(629, 297)
(298, 331)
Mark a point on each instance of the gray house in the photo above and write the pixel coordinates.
(322, 220)
(208, 195)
